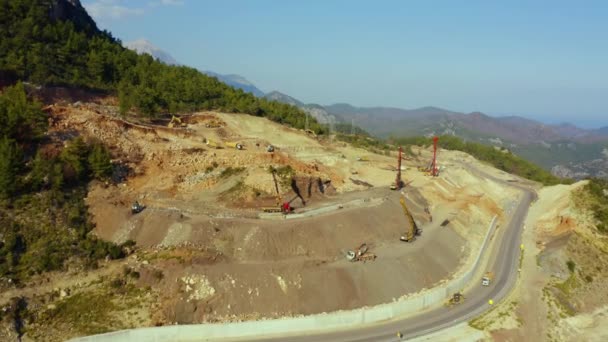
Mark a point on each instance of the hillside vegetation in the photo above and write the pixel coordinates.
(69, 50)
(502, 159)
(44, 222)
(594, 197)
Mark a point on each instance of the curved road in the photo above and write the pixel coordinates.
(505, 267)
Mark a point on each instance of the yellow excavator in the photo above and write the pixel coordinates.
(176, 122)
(410, 234)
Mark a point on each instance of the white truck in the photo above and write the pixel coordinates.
(487, 279)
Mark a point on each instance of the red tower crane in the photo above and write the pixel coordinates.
(434, 169)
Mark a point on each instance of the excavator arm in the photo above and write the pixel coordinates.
(411, 232)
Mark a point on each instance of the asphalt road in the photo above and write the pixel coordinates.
(505, 266)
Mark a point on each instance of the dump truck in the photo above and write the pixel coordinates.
(487, 278)
(235, 145)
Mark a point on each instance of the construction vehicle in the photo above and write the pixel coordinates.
(487, 279)
(310, 132)
(360, 254)
(137, 208)
(281, 207)
(235, 145)
(214, 124)
(398, 182)
(456, 298)
(176, 122)
(431, 168)
(410, 235)
(212, 144)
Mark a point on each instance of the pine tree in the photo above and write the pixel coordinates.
(99, 162)
(9, 166)
(75, 158)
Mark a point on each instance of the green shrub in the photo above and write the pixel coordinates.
(571, 265)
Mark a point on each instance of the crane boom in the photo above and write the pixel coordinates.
(276, 187)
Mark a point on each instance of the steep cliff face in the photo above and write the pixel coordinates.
(72, 10)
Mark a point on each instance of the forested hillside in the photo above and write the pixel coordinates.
(54, 42)
(44, 221)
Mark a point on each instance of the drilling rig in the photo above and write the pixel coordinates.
(431, 168)
(434, 169)
(398, 181)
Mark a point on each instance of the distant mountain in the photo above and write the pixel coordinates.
(565, 149)
(238, 82)
(316, 111)
(386, 121)
(142, 46)
(284, 98)
(603, 131)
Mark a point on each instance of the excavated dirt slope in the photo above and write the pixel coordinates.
(210, 256)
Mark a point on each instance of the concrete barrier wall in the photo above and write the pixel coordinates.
(319, 322)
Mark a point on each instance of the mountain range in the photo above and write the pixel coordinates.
(565, 149)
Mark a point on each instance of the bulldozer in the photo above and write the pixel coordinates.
(176, 122)
(410, 235)
(137, 208)
(456, 298)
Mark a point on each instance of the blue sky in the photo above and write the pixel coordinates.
(546, 60)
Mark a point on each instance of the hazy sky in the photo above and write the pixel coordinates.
(542, 59)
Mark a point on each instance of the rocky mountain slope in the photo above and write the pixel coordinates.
(237, 81)
(144, 46)
(317, 111)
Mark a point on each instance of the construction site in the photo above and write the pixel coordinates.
(239, 218)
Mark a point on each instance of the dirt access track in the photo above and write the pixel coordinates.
(221, 262)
